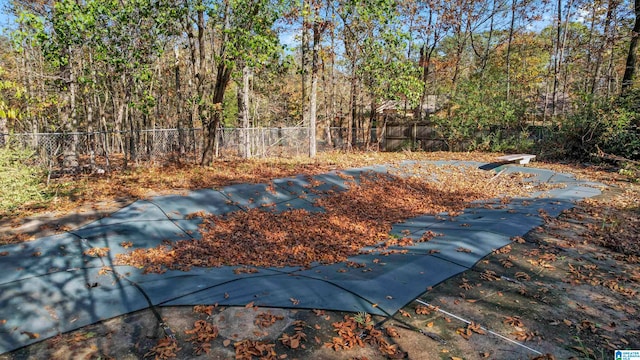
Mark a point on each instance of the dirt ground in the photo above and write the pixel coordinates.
(567, 290)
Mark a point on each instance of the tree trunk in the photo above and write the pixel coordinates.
(70, 151)
(303, 62)
(328, 112)
(333, 113)
(556, 59)
(509, 41)
(461, 45)
(353, 101)
(632, 55)
(243, 113)
(425, 61)
(314, 86)
(129, 117)
(223, 75)
(373, 119)
(561, 42)
(608, 43)
(179, 120)
(211, 125)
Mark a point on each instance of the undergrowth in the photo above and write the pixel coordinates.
(20, 183)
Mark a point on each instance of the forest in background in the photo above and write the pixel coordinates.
(554, 77)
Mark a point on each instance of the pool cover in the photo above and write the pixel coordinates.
(49, 286)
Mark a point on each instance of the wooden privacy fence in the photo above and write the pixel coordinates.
(413, 136)
(421, 136)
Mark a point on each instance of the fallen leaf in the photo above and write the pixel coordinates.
(464, 332)
(392, 332)
(544, 357)
(523, 276)
(513, 321)
(97, 252)
(30, 334)
(204, 309)
(476, 328)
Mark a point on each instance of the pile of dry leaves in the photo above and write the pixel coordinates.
(619, 228)
(359, 217)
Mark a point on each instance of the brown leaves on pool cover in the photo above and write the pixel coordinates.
(97, 252)
(358, 217)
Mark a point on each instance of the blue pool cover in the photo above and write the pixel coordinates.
(49, 286)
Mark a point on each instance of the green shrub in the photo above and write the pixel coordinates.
(612, 127)
(624, 142)
(19, 182)
(479, 117)
(621, 127)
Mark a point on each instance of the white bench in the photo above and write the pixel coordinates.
(521, 158)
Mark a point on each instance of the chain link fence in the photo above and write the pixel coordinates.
(52, 149)
(264, 142)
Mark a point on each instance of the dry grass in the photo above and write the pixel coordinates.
(71, 192)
